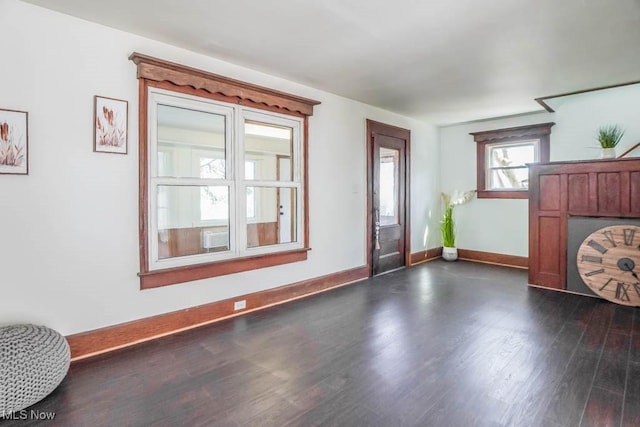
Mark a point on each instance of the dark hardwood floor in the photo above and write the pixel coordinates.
(440, 344)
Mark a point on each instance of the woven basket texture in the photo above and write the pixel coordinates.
(33, 362)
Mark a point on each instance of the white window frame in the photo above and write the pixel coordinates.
(235, 116)
(254, 115)
(256, 199)
(499, 145)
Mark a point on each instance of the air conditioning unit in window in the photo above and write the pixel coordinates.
(215, 239)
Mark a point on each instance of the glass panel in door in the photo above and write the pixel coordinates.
(389, 186)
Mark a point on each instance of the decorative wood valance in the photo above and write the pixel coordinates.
(155, 69)
(516, 132)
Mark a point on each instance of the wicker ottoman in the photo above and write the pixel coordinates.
(33, 362)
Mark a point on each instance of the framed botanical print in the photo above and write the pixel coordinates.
(110, 125)
(14, 142)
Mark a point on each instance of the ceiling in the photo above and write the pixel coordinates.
(435, 60)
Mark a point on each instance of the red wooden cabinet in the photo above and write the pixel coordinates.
(559, 190)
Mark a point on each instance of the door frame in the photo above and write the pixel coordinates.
(374, 127)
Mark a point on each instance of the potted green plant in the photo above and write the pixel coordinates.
(609, 137)
(447, 225)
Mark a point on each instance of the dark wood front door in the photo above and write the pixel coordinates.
(388, 197)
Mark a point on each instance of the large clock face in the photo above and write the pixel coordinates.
(609, 263)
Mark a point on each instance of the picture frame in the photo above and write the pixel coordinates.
(111, 125)
(14, 142)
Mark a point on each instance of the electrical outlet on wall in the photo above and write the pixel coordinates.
(240, 305)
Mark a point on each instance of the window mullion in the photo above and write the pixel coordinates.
(283, 184)
(240, 218)
(190, 181)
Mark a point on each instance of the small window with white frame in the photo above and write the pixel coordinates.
(507, 164)
(503, 156)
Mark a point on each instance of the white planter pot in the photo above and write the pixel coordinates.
(608, 153)
(449, 254)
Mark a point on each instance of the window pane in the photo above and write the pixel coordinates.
(512, 155)
(389, 186)
(214, 203)
(249, 173)
(274, 219)
(210, 167)
(192, 220)
(250, 169)
(270, 148)
(509, 179)
(191, 143)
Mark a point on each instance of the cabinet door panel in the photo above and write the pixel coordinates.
(549, 192)
(549, 244)
(578, 192)
(609, 193)
(634, 193)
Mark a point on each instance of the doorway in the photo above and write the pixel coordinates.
(388, 241)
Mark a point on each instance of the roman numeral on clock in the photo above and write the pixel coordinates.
(621, 292)
(605, 285)
(597, 246)
(591, 258)
(629, 234)
(636, 286)
(609, 235)
(594, 272)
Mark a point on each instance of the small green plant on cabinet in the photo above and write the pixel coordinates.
(447, 226)
(609, 136)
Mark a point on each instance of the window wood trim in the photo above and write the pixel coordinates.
(540, 132)
(153, 72)
(172, 276)
(154, 69)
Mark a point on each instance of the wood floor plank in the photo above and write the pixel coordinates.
(451, 344)
(634, 353)
(540, 379)
(569, 399)
(604, 409)
(631, 411)
(633, 379)
(612, 370)
(622, 322)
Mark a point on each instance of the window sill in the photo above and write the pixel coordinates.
(172, 276)
(485, 194)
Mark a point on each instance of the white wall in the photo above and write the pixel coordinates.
(68, 230)
(501, 226)
(578, 118)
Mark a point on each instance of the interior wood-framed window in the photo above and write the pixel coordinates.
(223, 177)
(503, 155)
